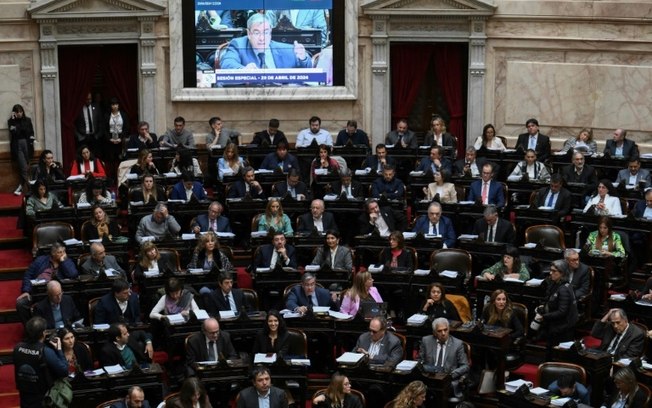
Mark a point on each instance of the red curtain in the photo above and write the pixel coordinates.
(409, 68)
(121, 78)
(450, 75)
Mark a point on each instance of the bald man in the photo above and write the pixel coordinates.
(58, 309)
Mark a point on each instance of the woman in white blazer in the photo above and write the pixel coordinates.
(604, 203)
(441, 186)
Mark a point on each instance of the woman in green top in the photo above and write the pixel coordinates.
(510, 267)
(605, 241)
(41, 199)
(275, 218)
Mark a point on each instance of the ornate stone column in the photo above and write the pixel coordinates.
(50, 88)
(475, 104)
(147, 100)
(380, 80)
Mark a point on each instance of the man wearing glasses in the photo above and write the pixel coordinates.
(211, 344)
(308, 294)
(381, 346)
(435, 224)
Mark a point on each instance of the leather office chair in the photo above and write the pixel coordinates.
(91, 310)
(251, 298)
(108, 404)
(171, 398)
(219, 52)
(549, 236)
(47, 233)
(169, 257)
(550, 371)
(646, 339)
(355, 392)
(648, 392)
(461, 303)
(254, 221)
(451, 259)
(515, 356)
(298, 343)
(585, 301)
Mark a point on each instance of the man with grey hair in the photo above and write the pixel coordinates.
(470, 165)
(317, 219)
(100, 262)
(58, 309)
(492, 228)
(308, 294)
(160, 225)
(578, 273)
(619, 338)
(347, 186)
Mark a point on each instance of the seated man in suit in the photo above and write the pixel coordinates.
(554, 196)
(143, 139)
(435, 224)
(620, 146)
(470, 165)
(643, 208)
(534, 140)
(119, 305)
(126, 349)
(566, 387)
(579, 172)
(188, 188)
(262, 390)
(271, 135)
(303, 297)
(135, 399)
(378, 162)
(380, 345)
(99, 262)
(347, 186)
(278, 252)
(293, 186)
(57, 309)
(436, 162)
(247, 186)
(352, 134)
(492, 228)
(633, 175)
(441, 352)
(382, 219)
(388, 185)
(225, 297)
(401, 137)
(211, 344)
(212, 221)
(161, 224)
(317, 219)
(619, 338)
(487, 190)
(280, 159)
(579, 276)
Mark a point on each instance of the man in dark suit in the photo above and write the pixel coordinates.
(271, 135)
(619, 338)
(347, 186)
(401, 137)
(135, 399)
(100, 262)
(388, 185)
(555, 196)
(381, 346)
(377, 162)
(126, 349)
(211, 344)
(580, 173)
(444, 354)
(633, 175)
(308, 294)
(620, 146)
(225, 297)
(143, 139)
(67, 312)
(278, 252)
(188, 188)
(280, 159)
(356, 136)
(293, 187)
(579, 276)
(317, 219)
(436, 162)
(262, 389)
(470, 165)
(532, 139)
(213, 221)
(435, 224)
(643, 208)
(88, 130)
(109, 309)
(248, 185)
(382, 219)
(487, 190)
(492, 228)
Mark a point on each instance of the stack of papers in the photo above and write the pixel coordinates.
(170, 174)
(618, 297)
(538, 391)
(534, 282)
(255, 234)
(375, 268)
(262, 358)
(320, 309)
(94, 373)
(38, 281)
(417, 319)
(263, 171)
(416, 173)
(565, 345)
(422, 272)
(136, 203)
(448, 274)
(196, 271)
(646, 365)
(339, 315)
(300, 362)
(330, 197)
(73, 241)
(111, 272)
(530, 245)
(150, 273)
(148, 238)
(559, 402)
(287, 314)
(227, 314)
(467, 202)
(363, 172)
(77, 177)
(512, 386)
(225, 235)
(321, 172)
(187, 236)
(101, 326)
(350, 358)
(512, 280)
(312, 268)
(263, 270)
(132, 176)
(176, 318)
(114, 369)
(468, 236)
(409, 235)
(406, 365)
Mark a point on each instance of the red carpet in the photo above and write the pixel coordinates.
(15, 258)
(9, 200)
(9, 291)
(10, 334)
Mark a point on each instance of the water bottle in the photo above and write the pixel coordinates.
(112, 196)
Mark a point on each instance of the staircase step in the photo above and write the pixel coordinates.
(13, 263)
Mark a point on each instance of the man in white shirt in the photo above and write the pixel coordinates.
(315, 133)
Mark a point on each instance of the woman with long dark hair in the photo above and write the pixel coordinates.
(144, 164)
(604, 201)
(273, 337)
(95, 194)
(47, 169)
(436, 305)
(100, 225)
(78, 356)
(489, 140)
(150, 193)
(21, 144)
(87, 164)
(604, 241)
(500, 312)
(192, 395)
(509, 267)
(41, 199)
(324, 161)
(176, 300)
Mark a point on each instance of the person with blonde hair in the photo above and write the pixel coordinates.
(412, 396)
(583, 142)
(338, 394)
(275, 219)
(207, 254)
(362, 291)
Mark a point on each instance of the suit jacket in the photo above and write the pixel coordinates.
(223, 224)
(455, 361)
(196, 349)
(542, 148)
(409, 139)
(238, 190)
(264, 256)
(281, 189)
(504, 230)
(426, 164)
(630, 345)
(445, 227)
(496, 194)
(239, 53)
(581, 281)
(123, 404)
(448, 195)
(639, 208)
(391, 350)
(587, 176)
(297, 297)
(630, 149)
(179, 191)
(80, 124)
(458, 166)
(249, 398)
(447, 141)
(263, 136)
(356, 188)
(358, 138)
(108, 311)
(563, 203)
(91, 267)
(372, 162)
(110, 354)
(642, 175)
(393, 190)
(388, 215)
(135, 143)
(271, 162)
(343, 258)
(214, 301)
(69, 311)
(404, 260)
(306, 222)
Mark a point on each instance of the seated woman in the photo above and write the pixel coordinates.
(274, 218)
(77, 355)
(627, 393)
(604, 202)
(530, 169)
(100, 225)
(47, 169)
(442, 187)
(96, 193)
(273, 337)
(192, 395)
(230, 162)
(605, 241)
(41, 199)
(176, 300)
(412, 396)
(510, 267)
(145, 164)
(324, 161)
(87, 164)
(583, 142)
(332, 255)
(338, 394)
(499, 312)
(183, 161)
(150, 193)
(207, 254)
(436, 305)
(489, 140)
(362, 291)
(397, 256)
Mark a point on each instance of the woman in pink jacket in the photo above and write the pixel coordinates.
(362, 291)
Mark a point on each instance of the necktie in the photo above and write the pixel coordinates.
(211, 351)
(261, 59)
(434, 229)
(614, 345)
(485, 192)
(490, 236)
(400, 140)
(440, 355)
(279, 259)
(551, 199)
(90, 119)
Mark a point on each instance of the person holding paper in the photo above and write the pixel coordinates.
(225, 298)
(618, 337)
(322, 162)
(436, 305)
(207, 254)
(161, 225)
(511, 267)
(99, 262)
(212, 221)
(583, 142)
(362, 291)
(273, 337)
(276, 253)
(126, 349)
(67, 312)
(119, 305)
(380, 345)
(332, 255)
(433, 223)
(308, 294)
(230, 163)
(211, 344)
(177, 300)
(100, 226)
